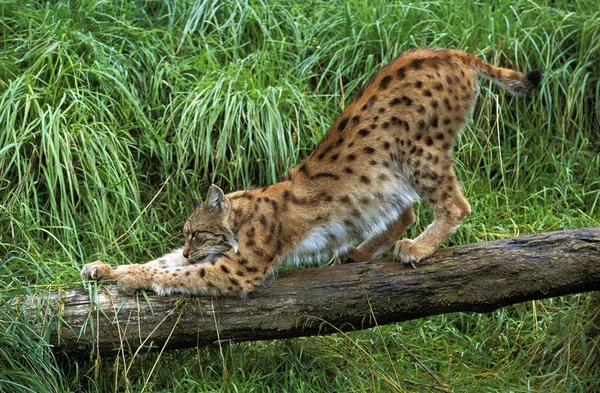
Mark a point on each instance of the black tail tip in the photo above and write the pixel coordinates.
(534, 78)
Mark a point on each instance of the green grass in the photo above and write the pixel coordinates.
(110, 111)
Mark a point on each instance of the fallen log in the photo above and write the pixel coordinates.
(474, 278)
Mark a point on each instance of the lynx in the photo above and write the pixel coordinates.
(390, 147)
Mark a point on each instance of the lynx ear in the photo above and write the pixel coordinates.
(215, 197)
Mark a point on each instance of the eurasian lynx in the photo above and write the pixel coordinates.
(391, 146)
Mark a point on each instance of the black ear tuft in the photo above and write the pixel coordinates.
(215, 197)
(534, 78)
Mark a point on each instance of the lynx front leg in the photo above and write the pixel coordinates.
(373, 247)
(128, 277)
(450, 209)
(228, 275)
(99, 270)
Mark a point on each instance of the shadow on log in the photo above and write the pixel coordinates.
(475, 277)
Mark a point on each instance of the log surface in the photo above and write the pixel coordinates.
(473, 278)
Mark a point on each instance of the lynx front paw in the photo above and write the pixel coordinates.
(98, 271)
(410, 252)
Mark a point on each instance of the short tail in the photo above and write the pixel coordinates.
(514, 82)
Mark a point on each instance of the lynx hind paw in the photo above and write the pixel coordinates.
(409, 253)
(98, 270)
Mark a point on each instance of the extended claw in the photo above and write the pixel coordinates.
(405, 252)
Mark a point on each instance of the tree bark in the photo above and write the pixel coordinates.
(474, 277)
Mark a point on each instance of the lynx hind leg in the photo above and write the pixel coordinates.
(450, 209)
(375, 246)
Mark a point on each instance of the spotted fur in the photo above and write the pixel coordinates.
(391, 146)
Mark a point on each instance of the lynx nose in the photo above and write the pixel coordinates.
(186, 252)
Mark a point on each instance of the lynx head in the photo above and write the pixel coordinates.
(207, 234)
